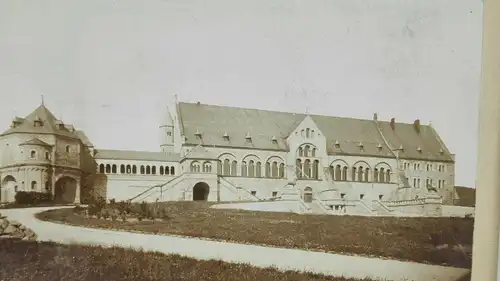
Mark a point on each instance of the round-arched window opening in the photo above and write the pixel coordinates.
(67, 148)
(47, 155)
(33, 154)
(33, 185)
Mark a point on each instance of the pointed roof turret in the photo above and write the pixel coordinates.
(167, 119)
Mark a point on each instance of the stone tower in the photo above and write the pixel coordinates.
(167, 132)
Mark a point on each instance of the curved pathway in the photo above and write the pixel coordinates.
(284, 259)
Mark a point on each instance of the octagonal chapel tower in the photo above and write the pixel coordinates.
(40, 153)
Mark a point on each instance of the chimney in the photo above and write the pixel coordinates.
(375, 116)
(393, 123)
(416, 124)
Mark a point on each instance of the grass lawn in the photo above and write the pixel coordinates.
(23, 260)
(394, 238)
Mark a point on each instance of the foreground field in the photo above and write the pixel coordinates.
(23, 260)
(413, 239)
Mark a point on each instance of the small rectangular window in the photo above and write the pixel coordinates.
(274, 194)
(361, 196)
(342, 195)
(253, 192)
(380, 197)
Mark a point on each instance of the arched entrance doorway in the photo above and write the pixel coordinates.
(200, 191)
(308, 195)
(8, 189)
(65, 190)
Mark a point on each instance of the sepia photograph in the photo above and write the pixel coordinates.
(242, 140)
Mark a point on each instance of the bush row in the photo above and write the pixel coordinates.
(31, 197)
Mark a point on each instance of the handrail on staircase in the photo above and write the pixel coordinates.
(153, 187)
(233, 185)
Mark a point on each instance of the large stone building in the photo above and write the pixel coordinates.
(220, 153)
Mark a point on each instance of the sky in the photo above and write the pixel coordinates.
(111, 67)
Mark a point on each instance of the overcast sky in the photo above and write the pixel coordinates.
(109, 67)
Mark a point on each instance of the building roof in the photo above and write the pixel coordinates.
(49, 124)
(354, 136)
(35, 141)
(136, 155)
(466, 196)
(83, 137)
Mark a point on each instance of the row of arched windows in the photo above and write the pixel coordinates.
(360, 173)
(307, 169)
(196, 167)
(273, 168)
(307, 151)
(307, 133)
(132, 169)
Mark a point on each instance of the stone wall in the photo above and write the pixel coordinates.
(13, 229)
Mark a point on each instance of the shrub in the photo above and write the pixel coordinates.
(31, 197)
(96, 207)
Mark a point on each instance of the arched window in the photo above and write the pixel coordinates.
(382, 175)
(47, 155)
(122, 169)
(338, 175)
(153, 170)
(148, 170)
(307, 151)
(315, 169)
(167, 170)
(302, 133)
(308, 133)
(234, 168)
(161, 170)
(388, 176)
(375, 175)
(353, 173)
(67, 148)
(113, 169)
(172, 171)
(313, 152)
(134, 169)
(143, 171)
(268, 170)
(274, 170)
(331, 170)
(101, 168)
(344, 173)
(301, 152)
(251, 169)
(258, 170)
(33, 185)
(281, 173)
(195, 167)
(307, 168)
(360, 173)
(129, 169)
(298, 168)
(226, 170)
(33, 154)
(367, 174)
(244, 169)
(108, 168)
(207, 167)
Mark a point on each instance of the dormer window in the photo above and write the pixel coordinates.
(337, 144)
(60, 125)
(419, 149)
(248, 137)
(274, 140)
(16, 122)
(379, 146)
(441, 151)
(197, 133)
(225, 136)
(360, 145)
(38, 122)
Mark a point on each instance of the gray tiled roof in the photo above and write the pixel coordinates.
(136, 155)
(213, 121)
(49, 126)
